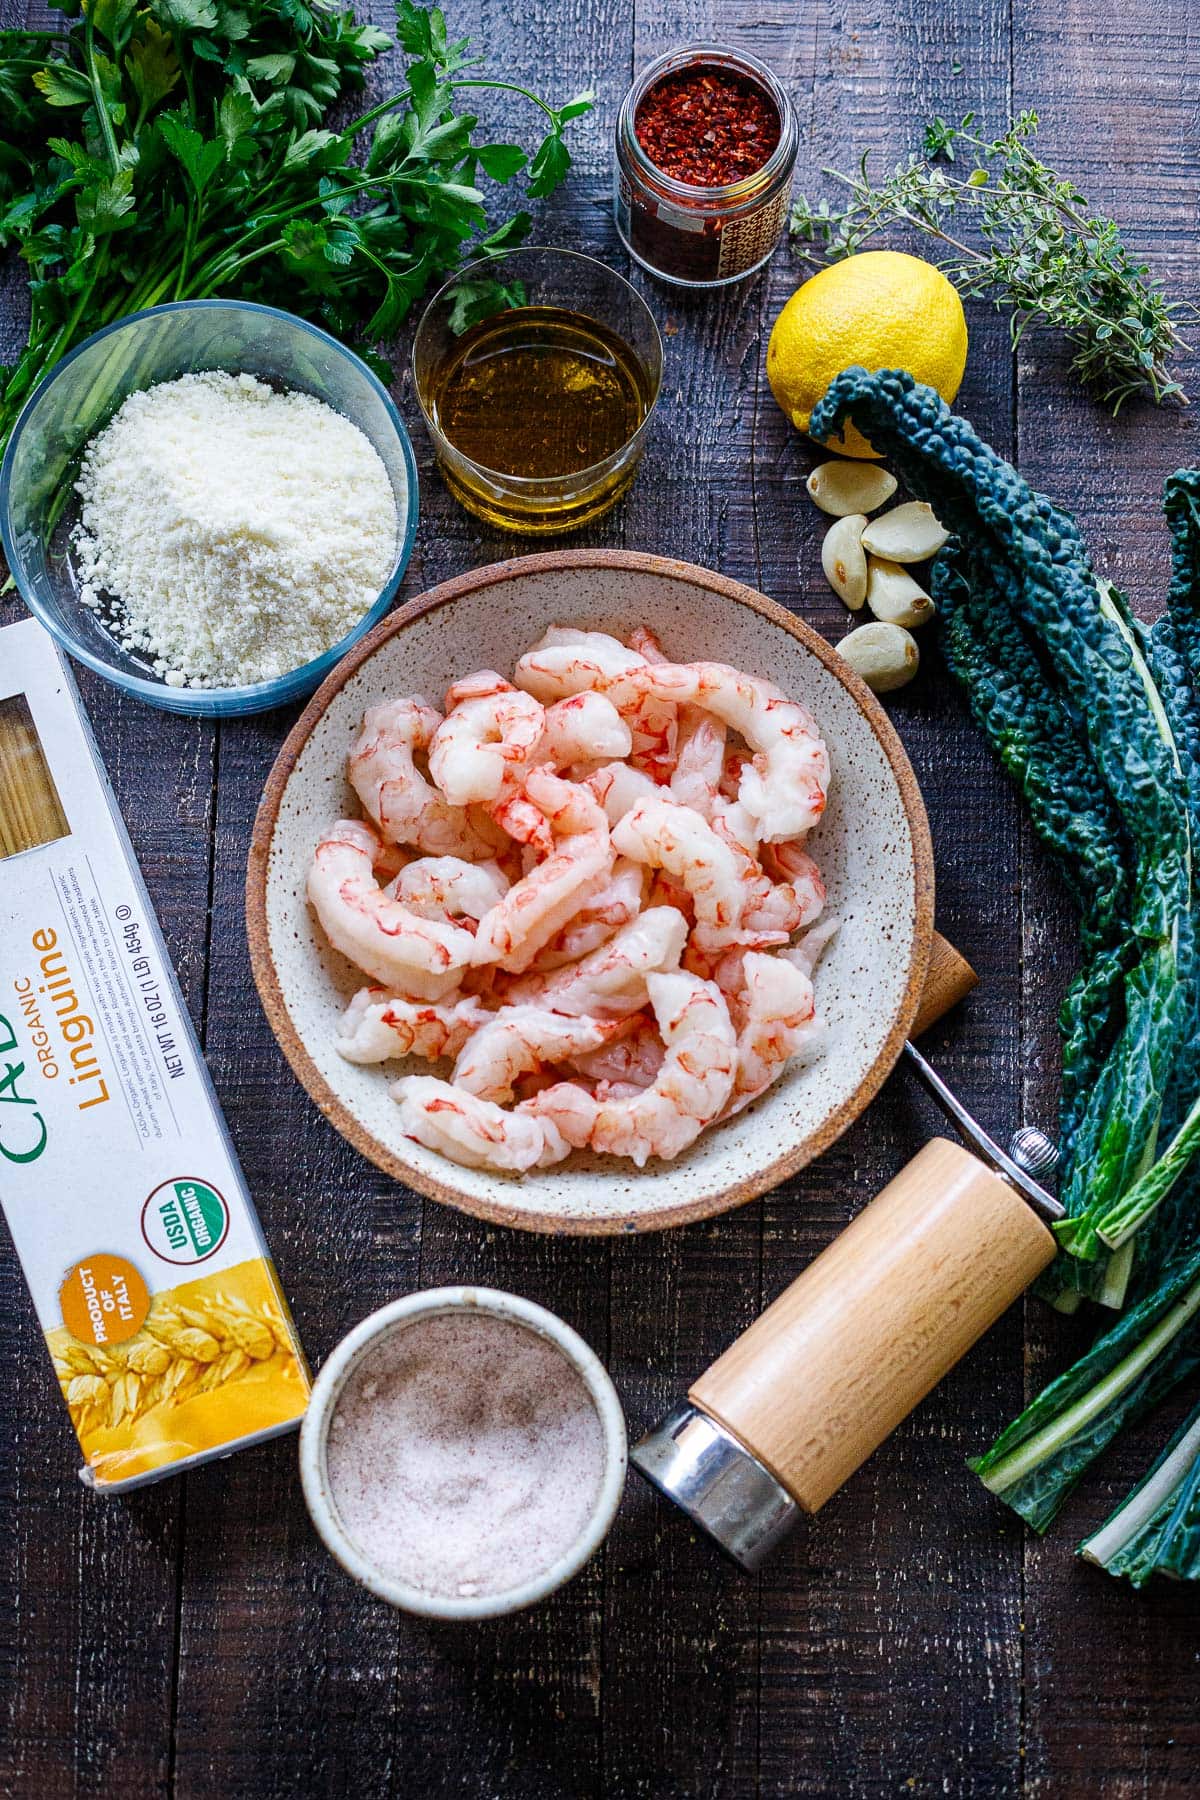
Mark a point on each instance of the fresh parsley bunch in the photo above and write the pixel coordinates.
(176, 149)
(1009, 230)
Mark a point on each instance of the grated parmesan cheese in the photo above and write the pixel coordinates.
(231, 532)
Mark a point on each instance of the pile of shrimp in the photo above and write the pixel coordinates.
(581, 888)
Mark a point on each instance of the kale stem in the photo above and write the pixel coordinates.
(1142, 1504)
(1043, 1444)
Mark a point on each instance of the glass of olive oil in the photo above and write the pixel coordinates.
(537, 372)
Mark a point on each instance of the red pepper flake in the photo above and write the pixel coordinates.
(707, 126)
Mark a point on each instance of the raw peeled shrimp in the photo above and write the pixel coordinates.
(688, 1092)
(783, 786)
(807, 953)
(542, 902)
(422, 958)
(593, 825)
(448, 887)
(611, 982)
(790, 863)
(569, 662)
(666, 835)
(405, 806)
(378, 1026)
(618, 788)
(476, 1133)
(566, 662)
(630, 1062)
(779, 1022)
(646, 643)
(482, 748)
(699, 762)
(583, 727)
(619, 901)
(734, 901)
(520, 1040)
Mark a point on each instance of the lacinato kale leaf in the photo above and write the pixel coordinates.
(1035, 1463)
(1028, 559)
(1098, 720)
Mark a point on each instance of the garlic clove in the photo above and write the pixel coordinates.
(894, 597)
(842, 488)
(884, 655)
(844, 560)
(908, 534)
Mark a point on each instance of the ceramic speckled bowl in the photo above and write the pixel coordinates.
(872, 846)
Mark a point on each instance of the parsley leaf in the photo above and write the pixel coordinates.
(175, 149)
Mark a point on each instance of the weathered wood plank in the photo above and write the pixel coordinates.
(518, 1700)
(681, 1661)
(891, 1629)
(1106, 1670)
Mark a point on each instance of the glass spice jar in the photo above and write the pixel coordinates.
(706, 146)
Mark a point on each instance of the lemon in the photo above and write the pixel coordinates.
(879, 310)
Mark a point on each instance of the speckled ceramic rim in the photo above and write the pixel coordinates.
(499, 1209)
(314, 1434)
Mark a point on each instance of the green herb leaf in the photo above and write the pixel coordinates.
(185, 15)
(549, 166)
(235, 122)
(60, 85)
(151, 65)
(277, 68)
(201, 160)
(105, 205)
(575, 109)
(501, 161)
(476, 300)
(110, 17)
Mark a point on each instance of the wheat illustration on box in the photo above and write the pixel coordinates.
(206, 1341)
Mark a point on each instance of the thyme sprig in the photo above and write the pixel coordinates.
(1015, 233)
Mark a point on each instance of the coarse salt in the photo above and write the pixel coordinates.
(229, 531)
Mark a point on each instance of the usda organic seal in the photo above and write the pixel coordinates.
(185, 1220)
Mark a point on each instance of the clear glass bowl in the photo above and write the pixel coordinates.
(81, 395)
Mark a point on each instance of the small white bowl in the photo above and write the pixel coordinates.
(314, 1434)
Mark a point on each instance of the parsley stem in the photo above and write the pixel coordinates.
(510, 87)
(102, 113)
(404, 95)
(214, 271)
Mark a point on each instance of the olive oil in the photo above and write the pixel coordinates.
(538, 406)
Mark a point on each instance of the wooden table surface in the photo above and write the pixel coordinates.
(195, 1639)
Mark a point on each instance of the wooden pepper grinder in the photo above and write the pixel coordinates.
(803, 1397)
